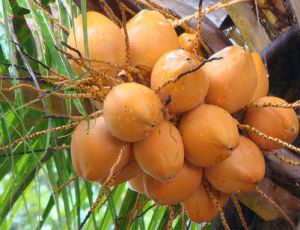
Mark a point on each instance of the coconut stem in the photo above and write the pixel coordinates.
(216, 203)
(284, 159)
(197, 40)
(110, 13)
(66, 183)
(127, 9)
(134, 210)
(77, 118)
(127, 47)
(293, 105)
(171, 217)
(209, 9)
(44, 92)
(269, 138)
(283, 214)
(239, 211)
(39, 133)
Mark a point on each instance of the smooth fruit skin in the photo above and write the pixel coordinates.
(161, 154)
(281, 123)
(105, 40)
(232, 80)
(187, 92)
(241, 171)
(262, 87)
(150, 36)
(183, 185)
(200, 208)
(132, 111)
(186, 41)
(137, 184)
(209, 135)
(94, 150)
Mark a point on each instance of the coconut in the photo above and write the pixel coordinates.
(262, 87)
(150, 36)
(105, 41)
(186, 41)
(161, 154)
(232, 80)
(186, 93)
(209, 135)
(281, 123)
(199, 206)
(241, 171)
(132, 111)
(94, 150)
(183, 185)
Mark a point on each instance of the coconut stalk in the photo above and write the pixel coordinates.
(31, 99)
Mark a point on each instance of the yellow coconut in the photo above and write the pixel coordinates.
(199, 206)
(281, 123)
(183, 185)
(150, 36)
(186, 93)
(241, 171)
(209, 135)
(105, 41)
(161, 154)
(186, 41)
(262, 87)
(132, 111)
(232, 80)
(94, 150)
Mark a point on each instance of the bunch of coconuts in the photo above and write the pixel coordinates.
(179, 132)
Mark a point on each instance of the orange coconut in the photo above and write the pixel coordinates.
(105, 41)
(183, 185)
(281, 123)
(132, 111)
(150, 36)
(232, 80)
(241, 171)
(209, 135)
(187, 92)
(262, 87)
(94, 150)
(137, 184)
(161, 154)
(186, 41)
(199, 206)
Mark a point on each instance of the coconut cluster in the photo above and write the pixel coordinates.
(179, 133)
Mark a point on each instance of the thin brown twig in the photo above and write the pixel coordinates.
(272, 202)
(269, 138)
(39, 133)
(65, 183)
(239, 211)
